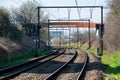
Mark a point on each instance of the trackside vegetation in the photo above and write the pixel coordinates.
(16, 59)
(112, 71)
(17, 34)
(112, 60)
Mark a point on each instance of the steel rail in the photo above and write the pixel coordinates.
(6, 69)
(55, 73)
(84, 66)
(6, 77)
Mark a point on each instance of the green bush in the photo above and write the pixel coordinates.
(13, 33)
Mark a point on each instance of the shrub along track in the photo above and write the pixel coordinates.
(13, 71)
(42, 71)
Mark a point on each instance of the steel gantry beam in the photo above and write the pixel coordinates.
(73, 24)
(70, 6)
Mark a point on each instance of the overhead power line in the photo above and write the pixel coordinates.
(78, 9)
(16, 2)
(45, 8)
(20, 1)
(69, 11)
(91, 10)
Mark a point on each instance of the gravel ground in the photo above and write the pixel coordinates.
(71, 72)
(94, 69)
(42, 71)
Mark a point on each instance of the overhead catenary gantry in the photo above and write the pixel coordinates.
(68, 24)
(100, 49)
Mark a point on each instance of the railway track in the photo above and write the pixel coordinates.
(42, 71)
(67, 66)
(10, 72)
(71, 71)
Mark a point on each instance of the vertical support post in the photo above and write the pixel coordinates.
(36, 39)
(60, 39)
(69, 39)
(56, 36)
(48, 34)
(38, 27)
(89, 33)
(63, 39)
(102, 32)
(77, 37)
(101, 35)
(69, 26)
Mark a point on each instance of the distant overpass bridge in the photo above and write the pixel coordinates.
(71, 24)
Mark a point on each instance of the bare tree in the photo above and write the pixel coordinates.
(26, 16)
(112, 27)
(7, 29)
(4, 20)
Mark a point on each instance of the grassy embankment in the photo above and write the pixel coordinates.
(113, 62)
(111, 59)
(22, 58)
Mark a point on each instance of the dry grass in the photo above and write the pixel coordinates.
(15, 49)
(8, 47)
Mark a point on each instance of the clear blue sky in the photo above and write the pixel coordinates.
(62, 13)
